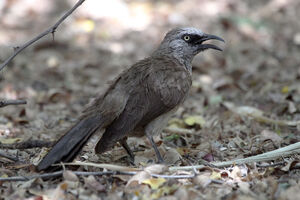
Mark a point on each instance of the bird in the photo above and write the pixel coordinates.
(140, 101)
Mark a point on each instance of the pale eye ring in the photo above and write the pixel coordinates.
(186, 37)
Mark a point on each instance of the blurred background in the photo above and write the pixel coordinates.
(259, 66)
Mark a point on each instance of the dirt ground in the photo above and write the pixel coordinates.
(258, 71)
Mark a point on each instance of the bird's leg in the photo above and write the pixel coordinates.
(158, 155)
(124, 144)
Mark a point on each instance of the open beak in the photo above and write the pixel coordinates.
(209, 46)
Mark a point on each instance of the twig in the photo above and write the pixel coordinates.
(173, 176)
(15, 159)
(123, 169)
(4, 103)
(52, 30)
(272, 155)
(271, 165)
(80, 173)
(29, 144)
(106, 166)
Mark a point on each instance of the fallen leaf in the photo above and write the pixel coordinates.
(289, 165)
(162, 191)
(10, 140)
(208, 157)
(138, 178)
(270, 135)
(70, 176)
(203, 180)
(176, 123)
(236, 173)
(194, 120)
(154, 183)
(172, 156)
(215, 175)
(92, 183)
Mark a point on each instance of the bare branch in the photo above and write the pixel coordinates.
(4, 103)
(80, 173)
(271, 155)
(51, 30)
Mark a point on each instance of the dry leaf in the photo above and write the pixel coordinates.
(203, 180)
(154, 183)
(92, 183)
(138, 178)
(215, 175)
(289, 165)
(194, 120)
(270, 135)
(236, 172)
(70, 176)
(10, 140)
(172, 156)
(156, 169)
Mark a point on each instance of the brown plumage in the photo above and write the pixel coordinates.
(139, 102)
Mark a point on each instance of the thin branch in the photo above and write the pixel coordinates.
(271, 165)
(28, 144)
(13, 158)
(173, 176)
(272, 155)
(4, 103)
(102, 165)
(80, 173)
(52, 30)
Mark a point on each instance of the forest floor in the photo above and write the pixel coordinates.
(257, 74)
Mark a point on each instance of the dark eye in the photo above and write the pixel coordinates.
(186, 38)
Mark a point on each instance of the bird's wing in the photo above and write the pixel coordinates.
(167, 88)
(156, 92)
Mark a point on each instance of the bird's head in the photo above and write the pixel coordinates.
(185, 43)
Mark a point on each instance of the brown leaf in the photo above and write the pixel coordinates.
(289, 165)
(138, 179)
(203, 180)
(270, 135)
(154, 183)
(92, 183)
(208, 157)
(70, 176)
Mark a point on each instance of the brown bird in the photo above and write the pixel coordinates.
(140, 101)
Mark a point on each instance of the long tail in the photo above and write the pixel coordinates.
(69, 145)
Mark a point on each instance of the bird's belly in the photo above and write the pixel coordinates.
(137, 132)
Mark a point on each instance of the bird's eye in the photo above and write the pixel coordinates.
(186, 37)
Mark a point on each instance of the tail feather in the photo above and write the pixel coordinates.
(69, 145)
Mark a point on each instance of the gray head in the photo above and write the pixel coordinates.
(184, 43)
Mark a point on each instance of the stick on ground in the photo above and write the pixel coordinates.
(4, 103)
(271, 155)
